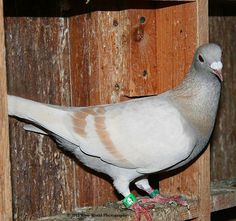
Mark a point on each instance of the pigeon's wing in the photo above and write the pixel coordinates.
(147, 134)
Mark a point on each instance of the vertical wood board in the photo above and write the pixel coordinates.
(38, 67)
(223, 143)
(184, 32)
(163, 54)
(5, 176)
(194, 181)
(204, 160)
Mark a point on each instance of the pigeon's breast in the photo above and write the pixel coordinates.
(153, 133)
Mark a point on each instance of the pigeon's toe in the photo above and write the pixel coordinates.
(178, 200)
(141, 211)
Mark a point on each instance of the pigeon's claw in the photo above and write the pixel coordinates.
(178, 200)
(141, 211)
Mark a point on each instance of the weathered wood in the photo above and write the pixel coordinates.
(204, 160)
(116, 51)
(99, 71)
(195, 180)
(179, 183)
(223, 144)
(204, 186)
(143, 77)
(37, 66)
(5, 176)
(155, 61)
(114, 211)
(223, 194)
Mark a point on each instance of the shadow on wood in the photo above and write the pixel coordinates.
(66, 8)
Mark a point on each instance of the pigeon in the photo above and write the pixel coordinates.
(132, 139)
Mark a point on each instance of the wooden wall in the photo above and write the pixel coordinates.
(62, 55)
(222, 27)
(222, 24)
(5, 176)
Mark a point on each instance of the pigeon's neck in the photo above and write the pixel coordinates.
(197, 98)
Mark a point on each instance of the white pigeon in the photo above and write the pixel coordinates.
(132, 139)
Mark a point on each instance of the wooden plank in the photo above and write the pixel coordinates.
(98, 62)
(98, 76)
(42, 175)
(198, 186)
(223, 194)
(114, 211)
(143, 75)
(5, 166)
(223, 145)
(204, 160)
(223, 199)
(184, 181)
(100, 51)
(204, 186)
(166, 39)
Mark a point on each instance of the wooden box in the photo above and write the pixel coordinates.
(80, 53)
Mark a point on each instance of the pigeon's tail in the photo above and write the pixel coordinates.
(41, 114)
(28, 109)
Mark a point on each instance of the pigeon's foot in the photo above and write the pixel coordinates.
(142, 211)
(131, 202)
(178, 200)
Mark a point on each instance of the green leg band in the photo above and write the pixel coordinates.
(129, 200)
(154, 193)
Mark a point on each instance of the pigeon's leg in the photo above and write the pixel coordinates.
(155, 196)
(130, 201)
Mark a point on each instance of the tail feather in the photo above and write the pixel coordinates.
(48, 117)
(31, 110)
(32, 128)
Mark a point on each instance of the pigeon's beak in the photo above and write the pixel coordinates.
(216, 68)
(218, 73)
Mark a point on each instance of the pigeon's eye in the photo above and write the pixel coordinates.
(200, 58)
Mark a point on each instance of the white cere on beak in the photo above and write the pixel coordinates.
(216, 65)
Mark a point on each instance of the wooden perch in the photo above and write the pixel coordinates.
(114, 211)
(223, 195)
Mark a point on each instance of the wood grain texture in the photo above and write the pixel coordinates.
(5, 166)
(195, 180)
(161, 58)
(223, 195)
(203, 162)
(175, 45)
(119, 49)
(223, 144)
(114, 212)
(38, 69)
(97, 70)
(143, 57)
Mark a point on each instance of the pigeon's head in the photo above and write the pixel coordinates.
(207, 60)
